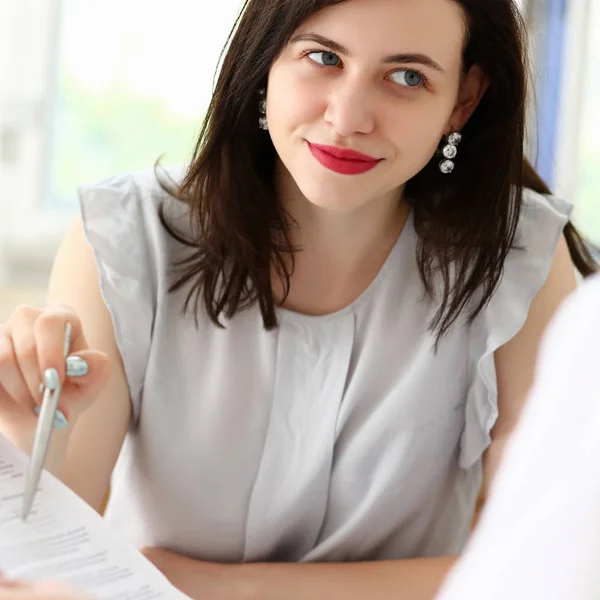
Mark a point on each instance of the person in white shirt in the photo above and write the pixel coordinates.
(539, 535)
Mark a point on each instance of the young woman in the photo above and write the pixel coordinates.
(320, 340)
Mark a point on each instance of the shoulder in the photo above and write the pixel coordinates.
(542, 212)
(538, 240)
(133, 251)
(144, 191)
(542, 221)
(535, 270)
(537, 275)
(558, 205)
(122, 215)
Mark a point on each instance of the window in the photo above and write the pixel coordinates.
(587, 168)
(89, 89)
(567, 51)
(133, 82)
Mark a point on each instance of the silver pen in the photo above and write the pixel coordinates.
(52, 390)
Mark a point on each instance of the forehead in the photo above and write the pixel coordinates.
(384, 27)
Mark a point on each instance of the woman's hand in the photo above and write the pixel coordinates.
(31, 342)
(38, 591)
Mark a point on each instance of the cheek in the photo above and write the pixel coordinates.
(417, 127)
(294, 99)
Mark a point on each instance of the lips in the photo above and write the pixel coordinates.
(342, 160)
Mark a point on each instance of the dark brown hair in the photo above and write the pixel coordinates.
(466, 222)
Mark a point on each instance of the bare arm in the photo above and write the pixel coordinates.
(515, 361)
(96, 438)
(413, 579)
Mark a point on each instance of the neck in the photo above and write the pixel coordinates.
(340, 253)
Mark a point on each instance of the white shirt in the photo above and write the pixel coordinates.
(539, 536)
(331, 438)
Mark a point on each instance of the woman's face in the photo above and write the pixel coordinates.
(379, 77)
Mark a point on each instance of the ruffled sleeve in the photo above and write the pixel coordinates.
(542, 221)
(121, 222)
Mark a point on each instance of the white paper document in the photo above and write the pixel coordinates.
(65, 539)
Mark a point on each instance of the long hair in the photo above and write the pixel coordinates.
(466, 223)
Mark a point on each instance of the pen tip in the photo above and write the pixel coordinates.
(25, 512)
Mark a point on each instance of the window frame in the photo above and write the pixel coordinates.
(570, 115)
(29, 235)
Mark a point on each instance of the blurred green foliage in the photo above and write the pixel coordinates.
(101, 133)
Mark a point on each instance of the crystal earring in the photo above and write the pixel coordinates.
(450, 151)
(262, 110)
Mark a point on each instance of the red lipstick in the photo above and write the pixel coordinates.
(341, 160)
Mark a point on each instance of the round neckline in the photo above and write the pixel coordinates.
(351, 308)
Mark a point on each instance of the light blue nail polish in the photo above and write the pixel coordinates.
(60, 421)
(76, 366)
(51, 379)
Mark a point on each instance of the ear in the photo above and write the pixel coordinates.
(472, 89)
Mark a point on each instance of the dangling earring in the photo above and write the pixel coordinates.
(450, 151)
(262, 110)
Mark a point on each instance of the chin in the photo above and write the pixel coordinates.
(334, 203)
(336, 196)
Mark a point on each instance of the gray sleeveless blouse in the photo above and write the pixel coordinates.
(342, 437)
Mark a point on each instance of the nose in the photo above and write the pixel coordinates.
(349, 110)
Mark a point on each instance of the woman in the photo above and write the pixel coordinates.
(317, 353)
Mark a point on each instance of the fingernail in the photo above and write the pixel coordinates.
(76, 366)
(60, 421)
(51, 379)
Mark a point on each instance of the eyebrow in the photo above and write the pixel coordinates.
(406, 57)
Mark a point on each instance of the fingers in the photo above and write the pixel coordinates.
(88, 375)
(38, 591)
(11, 378)
(6, 583)
(49, 336)
(12, 590)
(38, 342)
(32, 342)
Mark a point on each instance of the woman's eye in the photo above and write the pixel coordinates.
(327, 59)
(407, 78)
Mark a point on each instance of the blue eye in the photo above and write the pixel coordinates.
(408, 78)
(326, 59)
